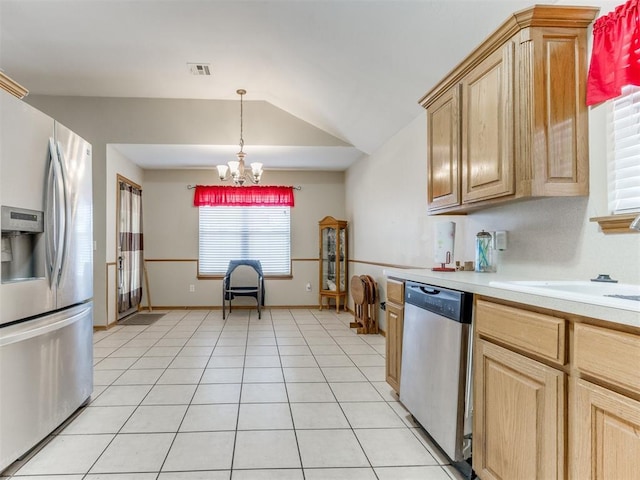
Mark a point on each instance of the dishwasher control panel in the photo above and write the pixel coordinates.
(452, 304)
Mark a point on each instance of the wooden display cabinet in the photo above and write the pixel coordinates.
(333, 262)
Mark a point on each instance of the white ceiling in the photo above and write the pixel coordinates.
(354, 68)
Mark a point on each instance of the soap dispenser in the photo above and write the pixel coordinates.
(485, 259)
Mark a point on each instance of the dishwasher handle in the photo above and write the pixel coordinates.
(424, 289)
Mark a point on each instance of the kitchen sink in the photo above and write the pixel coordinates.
(617, 295)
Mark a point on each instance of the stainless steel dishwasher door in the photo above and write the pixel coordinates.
(433, 375)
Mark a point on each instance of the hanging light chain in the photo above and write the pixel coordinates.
(241, 92)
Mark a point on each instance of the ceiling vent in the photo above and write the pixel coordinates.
(199, 69)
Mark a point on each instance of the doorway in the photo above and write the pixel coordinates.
(129, 245)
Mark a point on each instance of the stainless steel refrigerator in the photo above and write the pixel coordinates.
(46, 308)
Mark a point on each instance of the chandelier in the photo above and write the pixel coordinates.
(235, 170)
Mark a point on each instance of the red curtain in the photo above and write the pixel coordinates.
(615, 60)
(213, 196)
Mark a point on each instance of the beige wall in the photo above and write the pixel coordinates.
(171, 236)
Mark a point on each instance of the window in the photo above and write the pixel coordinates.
(237, 233)
(624, 163)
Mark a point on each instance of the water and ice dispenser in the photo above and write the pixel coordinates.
(22, 244)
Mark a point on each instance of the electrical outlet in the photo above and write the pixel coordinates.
(192, 288)
(308, 287)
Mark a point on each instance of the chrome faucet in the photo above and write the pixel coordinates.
(635, 225)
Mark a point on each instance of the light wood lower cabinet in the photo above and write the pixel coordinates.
(605, 434)
(395, 325)
(519, 416)
(526, 425)
(604, 423)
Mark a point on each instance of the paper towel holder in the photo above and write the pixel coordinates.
(444, 240)
(443, 267)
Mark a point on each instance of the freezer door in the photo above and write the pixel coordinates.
(24, 155)
(75, 282)
(47, 373)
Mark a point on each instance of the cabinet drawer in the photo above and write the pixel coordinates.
(607, 354)
(532, 332)
(395, 291)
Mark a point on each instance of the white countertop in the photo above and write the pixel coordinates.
(479, 283)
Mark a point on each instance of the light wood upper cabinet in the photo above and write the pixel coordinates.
(443, 120)
(519, 102)
(552, 126)
(487, 128)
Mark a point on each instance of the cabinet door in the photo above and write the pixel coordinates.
(327, 258)
(341, 259)
(487, 128)
(518, 416)
(605, 438)
(552, 125)
(395, 323)
(443, 152)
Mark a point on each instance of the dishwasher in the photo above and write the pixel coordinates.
(435, 379)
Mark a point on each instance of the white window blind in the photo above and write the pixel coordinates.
(245, 233)
(624, 165)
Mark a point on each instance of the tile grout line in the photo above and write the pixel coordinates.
(286, 389)
(244, 362)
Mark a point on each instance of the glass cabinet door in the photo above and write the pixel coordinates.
(342, 260)
(329, 266)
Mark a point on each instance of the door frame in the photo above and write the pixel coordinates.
(121, 179)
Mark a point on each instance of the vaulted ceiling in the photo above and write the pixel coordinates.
(353, 68)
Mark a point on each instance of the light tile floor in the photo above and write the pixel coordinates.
(295, 395)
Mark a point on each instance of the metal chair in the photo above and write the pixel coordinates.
(249, 285)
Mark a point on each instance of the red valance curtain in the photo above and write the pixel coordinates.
(615, 59)
(213, 196)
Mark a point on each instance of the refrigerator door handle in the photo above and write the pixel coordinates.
(64, 211)
(42, 329)
(51, 220)
(57, 206)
